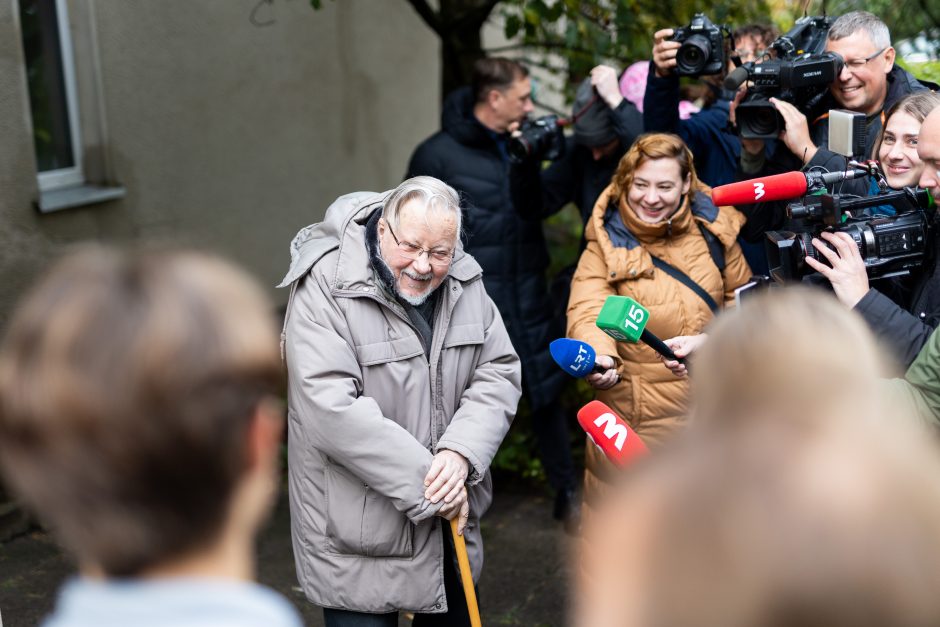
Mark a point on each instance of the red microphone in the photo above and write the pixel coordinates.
(764, 189)
(778, 187)
(609, 433)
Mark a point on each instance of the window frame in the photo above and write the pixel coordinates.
(51, 180)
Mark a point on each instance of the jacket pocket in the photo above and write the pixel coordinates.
(360, 521)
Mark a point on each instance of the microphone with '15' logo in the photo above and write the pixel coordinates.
(574, 357)
(624, 319)
(610, 433)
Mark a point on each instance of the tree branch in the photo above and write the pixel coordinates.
(427, 14)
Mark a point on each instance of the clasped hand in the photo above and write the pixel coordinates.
(446, 480)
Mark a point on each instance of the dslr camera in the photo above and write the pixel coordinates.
(540, 138)
(703, 47)
(800, 75)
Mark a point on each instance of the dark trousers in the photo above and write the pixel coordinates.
(457, 614)
(554, 441)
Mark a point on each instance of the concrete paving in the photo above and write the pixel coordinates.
(524, 578)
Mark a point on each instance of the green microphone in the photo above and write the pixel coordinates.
(624, 319)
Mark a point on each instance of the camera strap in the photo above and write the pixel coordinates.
(717, 256)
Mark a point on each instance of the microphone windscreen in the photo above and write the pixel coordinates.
(764, 189)
(735, 78)
(610, 433)
(573, 356)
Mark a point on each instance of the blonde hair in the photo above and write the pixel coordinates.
(791, 353)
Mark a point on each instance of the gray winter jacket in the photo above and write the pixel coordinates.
(367, 411)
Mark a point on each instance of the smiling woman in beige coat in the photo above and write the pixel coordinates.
(654, 207)
(402, 384)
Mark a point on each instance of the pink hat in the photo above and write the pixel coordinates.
(633, 87)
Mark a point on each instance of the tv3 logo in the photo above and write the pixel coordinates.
(758, 191)
(635, 317)
(608, 422)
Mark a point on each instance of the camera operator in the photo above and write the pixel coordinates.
(605, 126)
(905, 330)
(717, 151)
(868, 83)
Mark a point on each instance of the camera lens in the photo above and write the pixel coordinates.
(693, 55)
(759, 120)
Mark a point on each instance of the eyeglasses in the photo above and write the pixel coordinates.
(411, 251)
(857, 64)
(748, 55)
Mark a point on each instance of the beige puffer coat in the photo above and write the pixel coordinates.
(617, 261)
(367, 411)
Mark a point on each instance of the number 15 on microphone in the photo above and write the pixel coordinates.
(623, 318)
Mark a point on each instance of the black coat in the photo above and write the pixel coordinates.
(512, 251)
(575, 177)
(905, 328)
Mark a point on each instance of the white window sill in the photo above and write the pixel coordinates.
(78, 196)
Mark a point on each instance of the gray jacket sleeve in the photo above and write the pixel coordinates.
(326, 393)
(489, 403)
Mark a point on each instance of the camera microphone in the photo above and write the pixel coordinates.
(778, 187)
(736, 77)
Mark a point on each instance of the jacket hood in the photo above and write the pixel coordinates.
(623, 237)
(457, 119)
(344, 228)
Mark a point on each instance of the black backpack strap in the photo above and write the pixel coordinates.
(715, 249)
(683, 278)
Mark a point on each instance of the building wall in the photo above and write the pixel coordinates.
(227, 135)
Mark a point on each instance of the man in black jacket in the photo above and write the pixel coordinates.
(869, 83)
(470, 154)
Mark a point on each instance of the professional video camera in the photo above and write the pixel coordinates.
(800, 75)
(703, 47)
(541, 137)
(889, 245)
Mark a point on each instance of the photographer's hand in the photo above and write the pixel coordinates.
(847, 274)
(664, 51)
(604, 79)
(796, 132)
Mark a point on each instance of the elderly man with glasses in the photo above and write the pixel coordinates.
(869, 83)
(402, 383)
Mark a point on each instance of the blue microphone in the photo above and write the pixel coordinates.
(574, 357)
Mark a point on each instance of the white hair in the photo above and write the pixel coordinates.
(435, 195)
(855, 21)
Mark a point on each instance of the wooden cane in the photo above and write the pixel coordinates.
(465, 575)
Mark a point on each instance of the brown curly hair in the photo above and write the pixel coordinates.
(655, 146)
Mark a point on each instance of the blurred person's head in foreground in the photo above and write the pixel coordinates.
(802, 516)
(138, 412)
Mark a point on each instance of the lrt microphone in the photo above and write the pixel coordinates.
(624, 319)
(778, 187)
(574, 357)
(610, 433)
